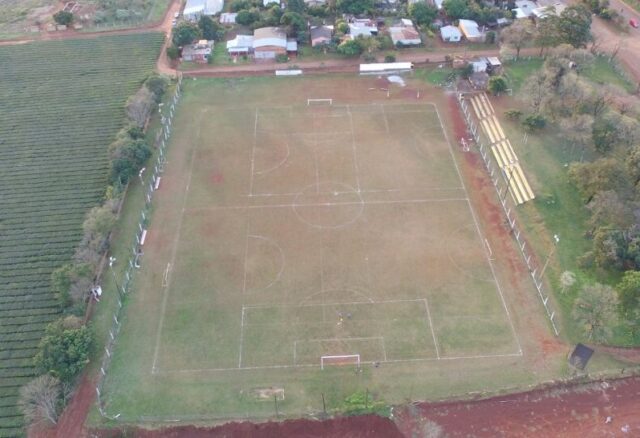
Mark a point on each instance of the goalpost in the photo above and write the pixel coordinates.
(344, 359)
(319, 102)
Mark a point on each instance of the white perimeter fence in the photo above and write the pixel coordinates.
(502, 191)
(124, 285)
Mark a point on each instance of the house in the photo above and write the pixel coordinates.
(470, 31)
(405, 34)
(228, 17)
(362, 27)
(321, 35)
(194, 9)
(198, 52)
(479, 80)
(315, 2)
(479, 65)
(545, 11)
(524, 9)
(269, 42)
(450, 34)
(240, 45)
(267, 3)
(494, 66)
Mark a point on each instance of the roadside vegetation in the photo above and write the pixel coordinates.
(56, 164)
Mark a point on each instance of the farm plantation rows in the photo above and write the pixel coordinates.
(61, 104)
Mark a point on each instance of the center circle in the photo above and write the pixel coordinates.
(328, 204)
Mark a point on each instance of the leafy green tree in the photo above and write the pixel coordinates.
(64, 350)
(247, 17)
(157, 85)
(297, 6)
(497, 85)
(185, 33)
(600, 175)
(355, 7)
(63, 279)
(534, 122)
(293, 23)
(518, 35)
(604, 135)
(210, 30)
(595, 310)
(633, 165)
(629, 293)
(351, 48)
(422, 13)
(574, 26)
(609, 248)
(238, 5)
(173, 52)
(547, 34)
(128, 160)
(455, 9)
(63, 17)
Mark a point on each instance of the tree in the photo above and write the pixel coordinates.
(238, 5)
(547, 34)
(595, 310)
(567, 279)
(40, 399)
(210, 29)
(455, 9)
(297, 6)
(157, 85)
(497, 85)
(591, 178)
(633, 165)
(185, 33)
(604, 135)
(574, 26)
(422, 13)
(128, 160)
(351, 48)
(534, 122)
(63, 17)
(293, 23)
(355, 7)
(140, 105)
(247, 17)
(607, 209)
(518, 35)
(629, 293)
(173, 52)
(577, 129)
(66, 280)
(64, 350)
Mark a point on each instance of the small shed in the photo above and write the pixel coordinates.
(450, 34)
(228, 17)
(364, 28)
(494, 66)
(198, 52)
(405, 35)
(580, 356)
(524, 9)
(321, 35)
(240, 45)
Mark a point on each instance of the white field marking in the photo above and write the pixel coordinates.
(315, 163)
(368, 338)
(386, 121)
(253, 152)
(166, 275)
(489, 248)
(240, 344)
(271, 169)
(174, 252)
(475, 220)
(433, 333)
(282, 258)
(324, 316)
(346, 303)
(363, 192)
(327, 204)
(389, 361)
(353, 146)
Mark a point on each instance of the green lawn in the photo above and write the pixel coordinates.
(602, 72)
(517, 71)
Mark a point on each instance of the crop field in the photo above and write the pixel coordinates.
(284, 233)
(61, 104)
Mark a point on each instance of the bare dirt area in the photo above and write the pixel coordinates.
(568, 411)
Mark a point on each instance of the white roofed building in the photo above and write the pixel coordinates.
(450, 34)
(240, 45)
(470, 30)
(194, 9)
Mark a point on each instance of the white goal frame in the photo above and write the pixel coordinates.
(315, 101)
(342, 356)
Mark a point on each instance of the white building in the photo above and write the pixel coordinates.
(470, 30)
(240, 45)
(450, 34)
(194, 9)
(228, 17)
(405, 34)
(362, 27)
(524, 9)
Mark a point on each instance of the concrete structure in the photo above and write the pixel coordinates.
(315, 2)
(267, 3)
(450, 34)
(228, 17)
(240, 45)
(194, 9)
(198, 52)
(269, 42)
(471, 31)
(321, 35)
(545, 11)
(362, 27)
(385, 67)
(524, 9)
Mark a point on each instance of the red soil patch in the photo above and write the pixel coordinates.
(217, 178)
(567, 411)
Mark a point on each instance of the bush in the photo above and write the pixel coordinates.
(157, 85)
(369, 58)
(534, 122)
(68, 280)
(127, 160)
(390, 58)
(513, 114)
(351, 48)
(64, 349)
(63, 17)
(247, 17)
(490, 37)
(282, 57)
(173, 52)
(497, 85)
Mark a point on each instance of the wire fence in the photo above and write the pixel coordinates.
(502, 189)
(123, 287)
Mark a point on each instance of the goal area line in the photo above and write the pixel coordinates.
(311, 102)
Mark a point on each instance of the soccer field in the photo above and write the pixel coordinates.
(291, 242)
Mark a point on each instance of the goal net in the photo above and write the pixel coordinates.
(319, 102)
(345, 359)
